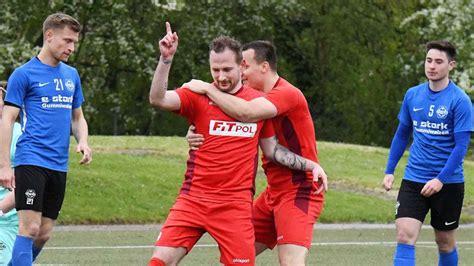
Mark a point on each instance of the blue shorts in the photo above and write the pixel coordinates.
(7, 239)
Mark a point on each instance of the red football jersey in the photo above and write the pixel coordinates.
(225, 165)
(294, 129)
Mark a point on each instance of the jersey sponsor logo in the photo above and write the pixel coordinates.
(431, 128)
(417, 109)
(57, 101)
(30, 196)
(442, 112)
(69, 85)
(42, 84)
(233, 129)
(449, 223)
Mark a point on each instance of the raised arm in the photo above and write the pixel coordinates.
(240, 109)
(159, 95)
(280, 154)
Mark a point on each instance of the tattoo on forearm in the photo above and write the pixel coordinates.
(166, 61)
(165, 86)
(287, 158)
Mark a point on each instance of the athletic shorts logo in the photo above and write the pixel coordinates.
(449, 223)
(234, 129)
(69, 85)
(396, 207)
(30, 196)
(442, 112)
(240, 260)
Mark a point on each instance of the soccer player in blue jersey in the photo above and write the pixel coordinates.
(47, 95)
(439, 115)
(8, 215)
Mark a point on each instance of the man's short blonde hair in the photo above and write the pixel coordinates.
(59, 21)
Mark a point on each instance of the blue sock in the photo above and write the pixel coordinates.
(448, 259)
(404, 255)
(22, 254)
(36, 250)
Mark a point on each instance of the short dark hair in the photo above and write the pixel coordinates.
(59, 21)
(264, 51)
(444, 46)
(220, 43)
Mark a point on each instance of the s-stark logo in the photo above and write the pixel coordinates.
(234, 129)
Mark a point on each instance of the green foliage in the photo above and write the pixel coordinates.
(353, 60)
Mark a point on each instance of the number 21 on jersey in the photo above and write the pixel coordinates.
(59, 84)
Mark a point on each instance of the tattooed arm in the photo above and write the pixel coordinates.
(280, 154)
(160, 96)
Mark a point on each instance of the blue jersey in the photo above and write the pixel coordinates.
(434, 117)
(46, 96)
(10, 217)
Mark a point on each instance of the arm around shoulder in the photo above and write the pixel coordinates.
(246, 111)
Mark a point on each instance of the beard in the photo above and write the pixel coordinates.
(228, 85)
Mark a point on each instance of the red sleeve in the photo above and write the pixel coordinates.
(267, 129)
(284, 98)
(187, 102)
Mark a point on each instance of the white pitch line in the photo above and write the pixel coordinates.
(373, 243)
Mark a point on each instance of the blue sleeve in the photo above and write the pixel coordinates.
(399, 143)
(78, 96)
(461, 143)
(463, 120)
(17, 87)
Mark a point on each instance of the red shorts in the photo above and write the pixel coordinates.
(229, 223)
(286, 216)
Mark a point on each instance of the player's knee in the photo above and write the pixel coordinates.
(291, 260)
(29, 230)
(445, 244)
(406, 237)
(42, 238)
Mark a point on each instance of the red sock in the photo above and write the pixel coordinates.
(156, 262)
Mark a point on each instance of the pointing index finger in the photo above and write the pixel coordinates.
(168, 28)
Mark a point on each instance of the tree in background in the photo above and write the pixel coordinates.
(353, 60)
(453, 21)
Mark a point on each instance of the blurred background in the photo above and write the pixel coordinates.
(353, 59)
